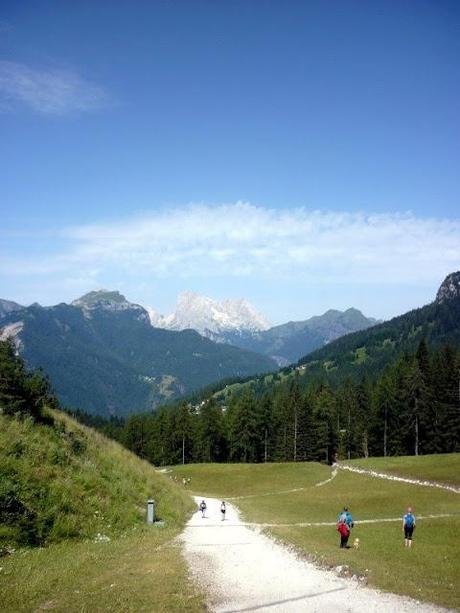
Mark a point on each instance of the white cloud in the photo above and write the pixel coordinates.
(242, 240)
(48, 91)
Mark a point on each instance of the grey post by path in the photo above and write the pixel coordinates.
(150, 511)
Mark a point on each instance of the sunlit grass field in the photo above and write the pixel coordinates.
(429, 571)
(143, 571)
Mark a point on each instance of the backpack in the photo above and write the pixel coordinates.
(409, 520)
(343, 529)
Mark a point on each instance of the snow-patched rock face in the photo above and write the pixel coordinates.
(450, 288)
(207, 315)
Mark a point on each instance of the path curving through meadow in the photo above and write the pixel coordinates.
(389, 477)
(242, 569)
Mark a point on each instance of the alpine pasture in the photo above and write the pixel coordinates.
(298, 504)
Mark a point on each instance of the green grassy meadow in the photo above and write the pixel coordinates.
(64, 484)
(142, 571)
(429, 571)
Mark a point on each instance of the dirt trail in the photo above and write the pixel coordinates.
(244, 570)
(389, 477)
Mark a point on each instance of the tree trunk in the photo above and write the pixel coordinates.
(183, 449)
(295, 435)
(285, 452)
(385, 434)
(266, 446)
(349, 433)
(416, 430)
(365, 445)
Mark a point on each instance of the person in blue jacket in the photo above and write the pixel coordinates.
(408, 526)
(345, 517)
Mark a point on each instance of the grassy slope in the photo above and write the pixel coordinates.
(429, 571)
(78, 484)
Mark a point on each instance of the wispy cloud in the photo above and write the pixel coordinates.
(48, 91)
(242, 240)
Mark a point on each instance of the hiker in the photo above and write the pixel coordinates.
(202, 508)
(408, 526)
(344, 525)
(344, 532)
(346, 517)
(223, 509)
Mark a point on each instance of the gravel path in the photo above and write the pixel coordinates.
(244, 570)
(379, 475)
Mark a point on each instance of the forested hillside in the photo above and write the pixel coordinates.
(365, 353)
(60, 480)
(368, 351)
(288, 342)
(412, 408)
(103, 356)
(391, 390)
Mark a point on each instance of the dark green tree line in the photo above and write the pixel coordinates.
(413, 407)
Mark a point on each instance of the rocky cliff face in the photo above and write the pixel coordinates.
(209, 317)
(449, 288)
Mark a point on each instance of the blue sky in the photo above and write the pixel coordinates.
(304, 155)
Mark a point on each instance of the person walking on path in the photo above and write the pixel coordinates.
(203, 508)
(344, 526)
(408, 526)
(223, 509)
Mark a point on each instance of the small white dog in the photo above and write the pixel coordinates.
(356, 543)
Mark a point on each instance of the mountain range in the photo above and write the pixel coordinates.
(368, 352)
(109, 356)
(237, 322)
(208, 316)
(103, 355)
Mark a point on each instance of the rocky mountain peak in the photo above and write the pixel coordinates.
(107, 300)
(449, 288)
(8, 306)
(207, 315)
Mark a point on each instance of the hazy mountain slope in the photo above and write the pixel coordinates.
(288, 342)
(8, 306)
(102, 355)
(367, 352)
(370, 350)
